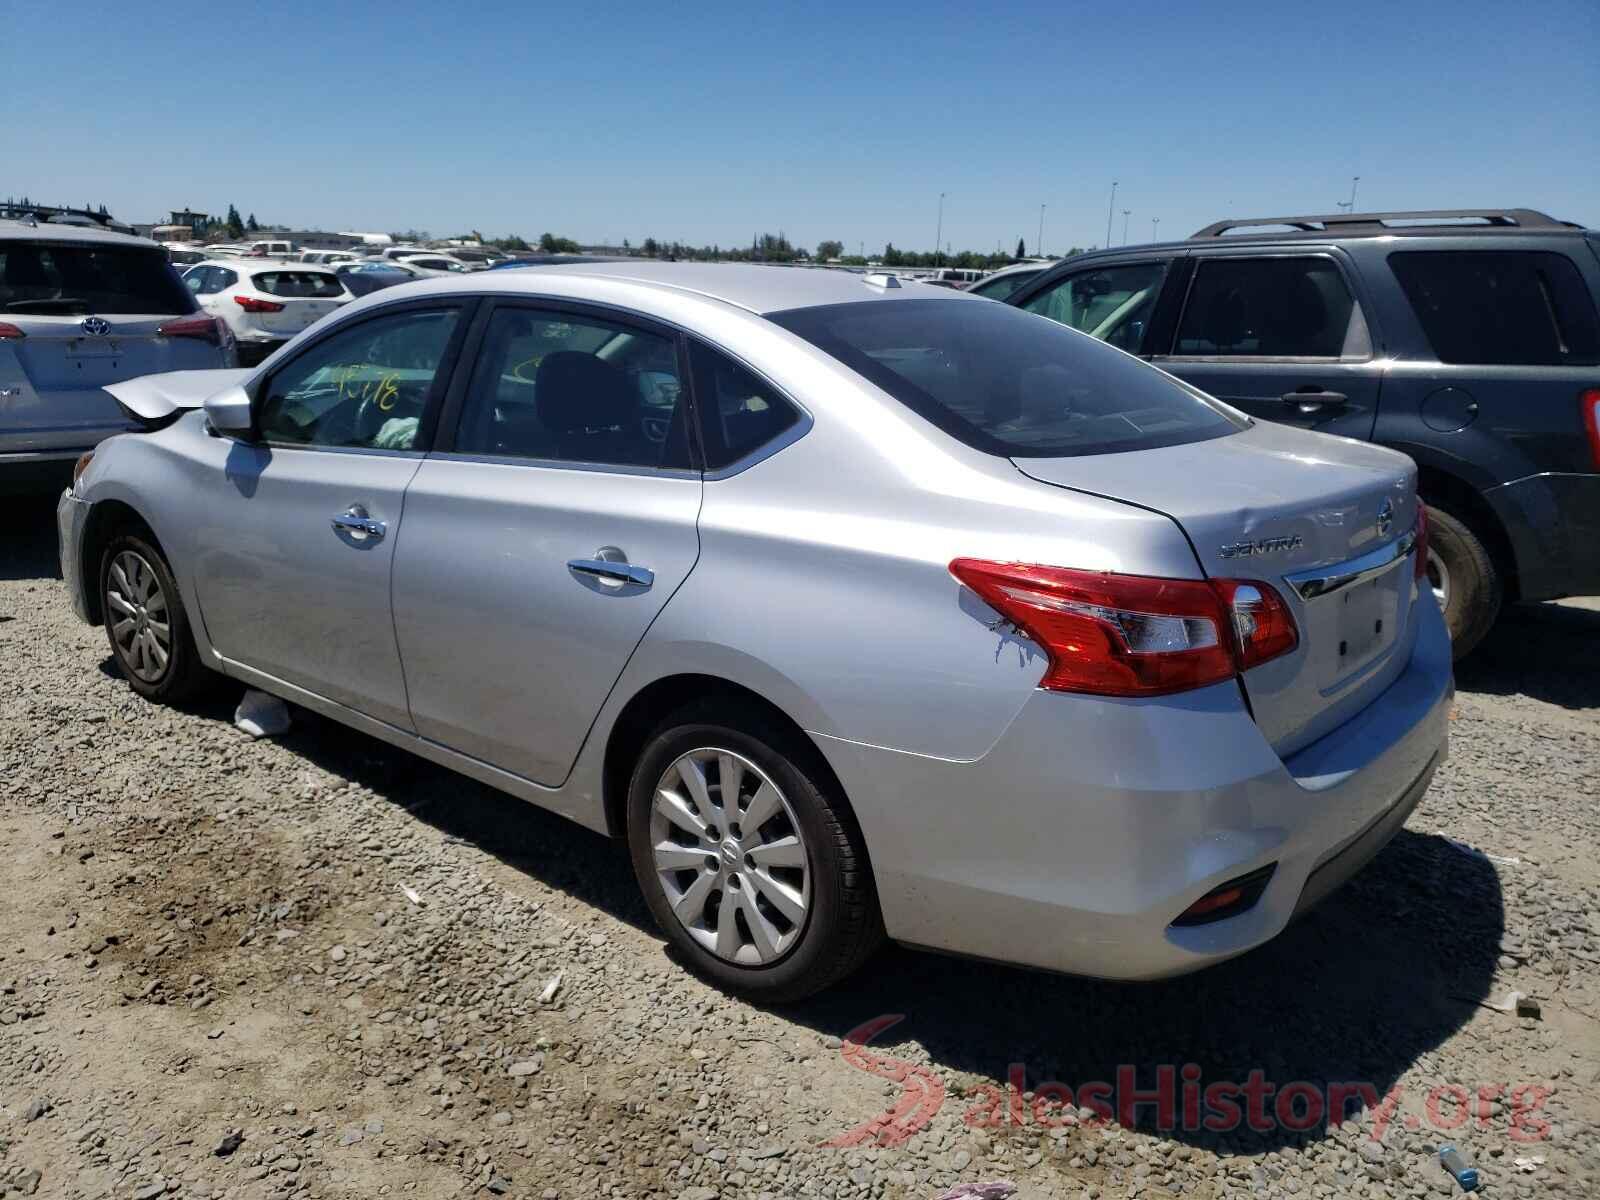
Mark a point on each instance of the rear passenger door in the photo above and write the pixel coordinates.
(552, 523)
(1283, 335)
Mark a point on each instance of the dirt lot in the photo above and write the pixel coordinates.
(201, 935)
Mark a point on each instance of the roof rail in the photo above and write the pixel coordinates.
(1493, 218)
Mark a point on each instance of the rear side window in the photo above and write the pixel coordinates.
(1005, 382)
(49, 278)
(740, 411)
(1271, 308)
(315, 284)
(1512, 307)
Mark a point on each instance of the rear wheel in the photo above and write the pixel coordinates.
(1464, 580)
(145, 622)
(751, 863)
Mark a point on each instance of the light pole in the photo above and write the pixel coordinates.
(1111, 208)
(1038, 246)
(1125, 214)
(938, 235)
(1154, 222)
(1354, 179)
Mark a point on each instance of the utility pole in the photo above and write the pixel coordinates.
(1354, 179)
(1154, 222)
(1125, 214)
(938, 235)
(1110, 208)
(1038, 246)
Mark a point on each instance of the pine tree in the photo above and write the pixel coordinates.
(1022, 248)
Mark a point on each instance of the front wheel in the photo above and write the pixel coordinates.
(1464, 580)
(751, 863)
(146, 624)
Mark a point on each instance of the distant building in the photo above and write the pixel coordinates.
(196, 221)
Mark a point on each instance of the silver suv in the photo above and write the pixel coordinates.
(81, 308)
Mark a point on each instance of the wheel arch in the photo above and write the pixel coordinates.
(108, 518)
(1458, 497)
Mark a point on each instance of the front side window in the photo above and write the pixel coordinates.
(1005, 382)
(1271, 308)
(739, 411)
(565, 387)
(1519, 308)
(365, 387)
(1111, 303)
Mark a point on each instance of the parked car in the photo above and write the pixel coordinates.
(265, 304)
(1469, 339)
(997, 285)
(434, 264)
(907, 549)
(271, 248)
(81, 307)
(329, 257)
(364, 278)
(182, 257)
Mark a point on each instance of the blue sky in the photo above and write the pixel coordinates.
(710, 122)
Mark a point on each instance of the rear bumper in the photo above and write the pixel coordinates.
(1092, 823)
(1553, 521)
(72, 515)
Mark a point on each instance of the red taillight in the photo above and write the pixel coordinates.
(1419, 565)
(251, 304)
(1134, 635)
(207, 329)
(1590, 403)
(8, 330)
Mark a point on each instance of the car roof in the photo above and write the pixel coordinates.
(47, 232)
(757, 289)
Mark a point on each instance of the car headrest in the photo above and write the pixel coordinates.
(579, 391)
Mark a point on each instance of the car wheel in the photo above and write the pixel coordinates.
(146, 624)
(1464, 580)
(749, 859)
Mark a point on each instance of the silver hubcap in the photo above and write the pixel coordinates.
(1438, 577)
(730, 857)
(140, 624)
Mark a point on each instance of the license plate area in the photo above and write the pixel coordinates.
(94, 347)
(1366, 621)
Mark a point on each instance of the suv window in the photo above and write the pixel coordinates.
(1271, 308)
(49, 278)
(1004, 383)
(569, 388)
(1514, 307)
(366, 386)
(1110, 303)
(740, 411)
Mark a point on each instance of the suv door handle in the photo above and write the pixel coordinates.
(355, 521)
(616, 572)
(1309, 402)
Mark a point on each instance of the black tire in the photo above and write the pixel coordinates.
(1474, 590)
(842, 926)
(182, 677)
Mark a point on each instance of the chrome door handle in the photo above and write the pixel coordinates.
(355, 521)
(618, 572)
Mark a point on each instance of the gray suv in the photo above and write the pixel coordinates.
(1467, 339)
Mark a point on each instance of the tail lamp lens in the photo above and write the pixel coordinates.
(1134, 635)
(9, 331)
(251, 304)
(207, 329)
(1590, 402)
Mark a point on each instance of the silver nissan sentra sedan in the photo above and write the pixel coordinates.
(857, 608)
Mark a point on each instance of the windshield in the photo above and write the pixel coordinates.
(1007, 382)
(52, 277)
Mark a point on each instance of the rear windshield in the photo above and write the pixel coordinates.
(59, 277)
(1008, 382)
(318, 284)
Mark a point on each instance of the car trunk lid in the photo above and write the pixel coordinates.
(1327, 522)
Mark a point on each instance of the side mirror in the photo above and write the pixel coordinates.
(229, 413)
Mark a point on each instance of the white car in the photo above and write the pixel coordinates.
(265, 304)
(435, 264)
(330, 258)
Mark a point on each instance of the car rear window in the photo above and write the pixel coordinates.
(48, 278)
(1007, 382)
(316, 284)
(1511, 307)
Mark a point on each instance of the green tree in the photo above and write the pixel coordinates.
(651, 247)
(551, 244)
(827, 250)
(251, 225)
(1022, 249)
(234, 224)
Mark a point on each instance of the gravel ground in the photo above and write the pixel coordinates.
(313, 966)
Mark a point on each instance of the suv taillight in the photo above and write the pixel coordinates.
(251, 304)
(207, 329)
(1135, 635)
(1590, 403)
(8, 330)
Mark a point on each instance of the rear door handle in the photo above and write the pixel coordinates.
(1316, 401)
(355, 521)
(616, 572)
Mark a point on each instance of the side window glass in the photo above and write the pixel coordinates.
(1112, 303)
(1271, 308)
(1501, 306)
(569, 388)
(221, 278)
(195, 280)
(364, 387)
(739, 411)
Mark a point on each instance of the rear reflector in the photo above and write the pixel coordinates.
(251, 304)
(1590, 400)
(7, 330)
(1228, 900)
(1134, 635)
(208, 329)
